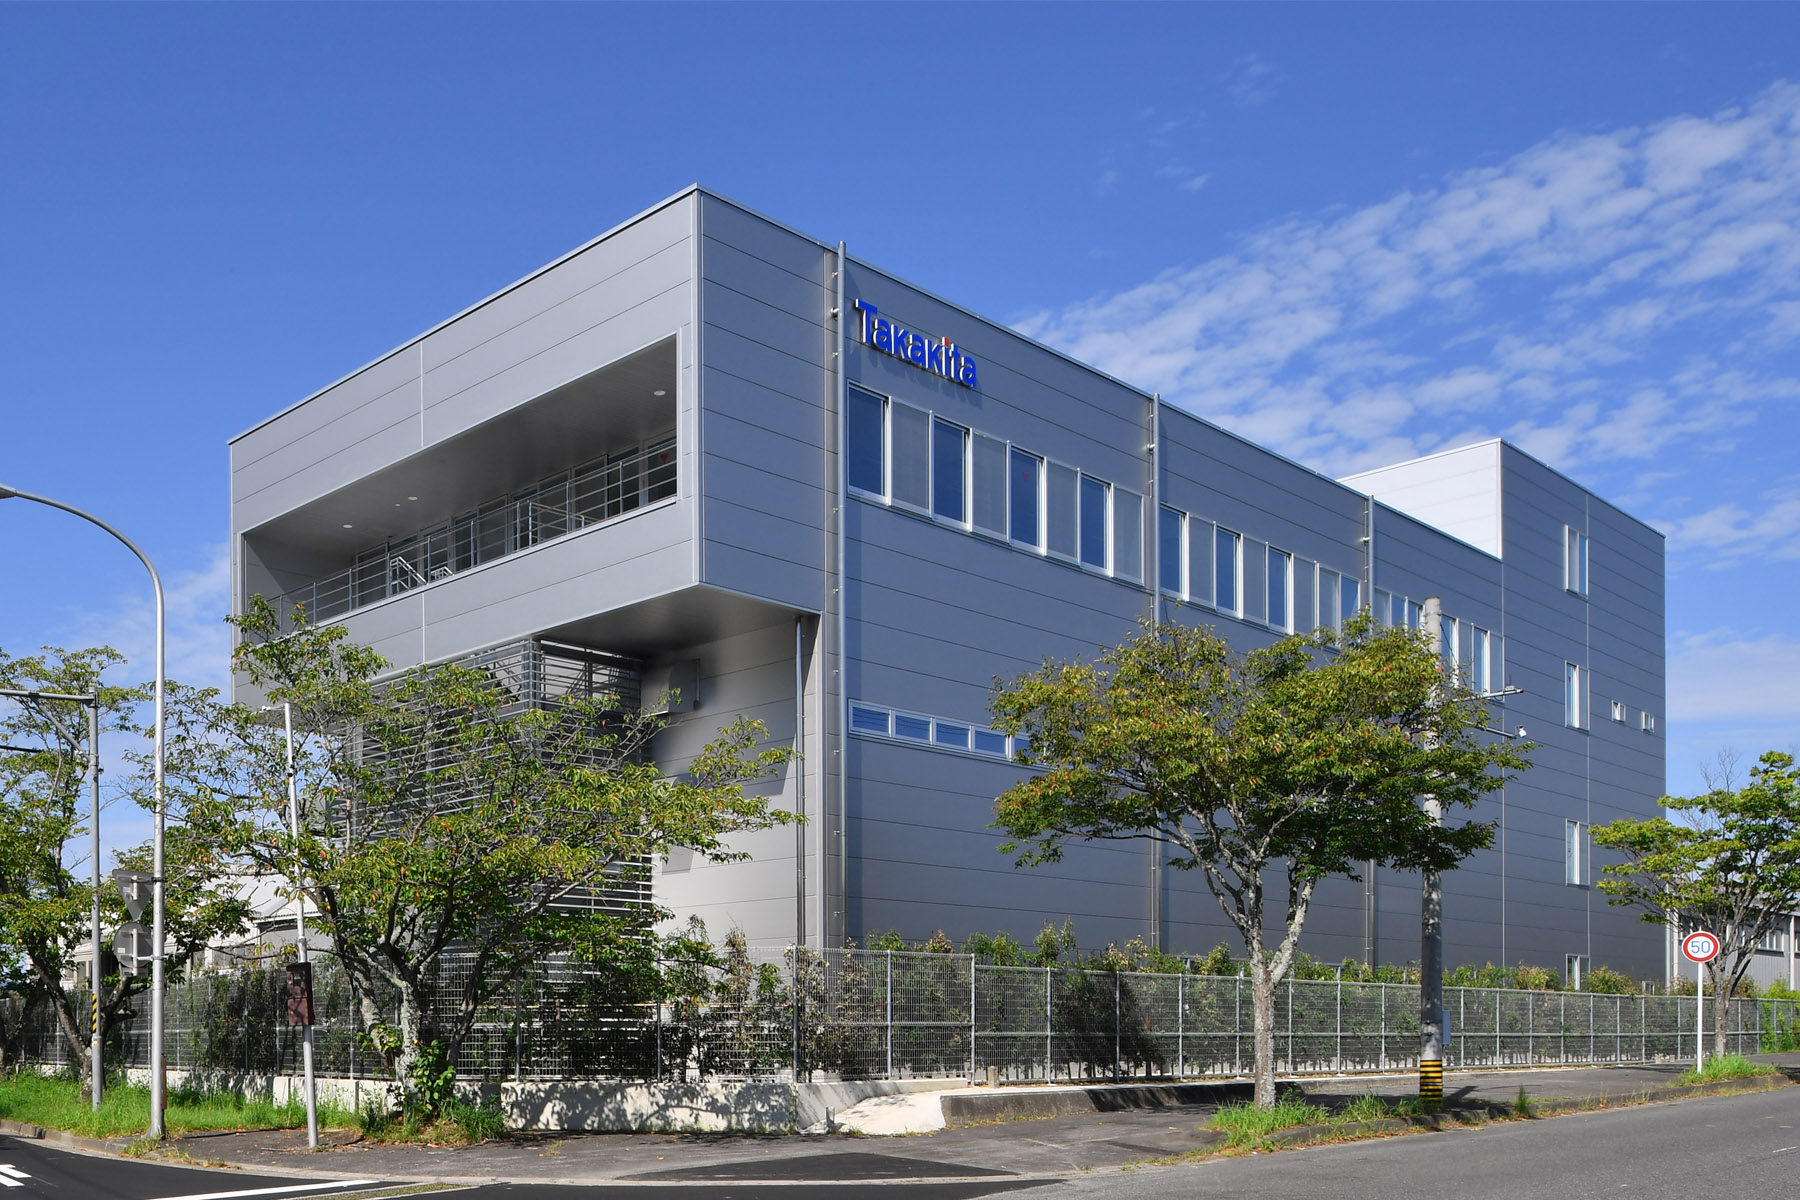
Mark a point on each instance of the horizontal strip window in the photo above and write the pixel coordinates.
(873, 720)
(910, 458)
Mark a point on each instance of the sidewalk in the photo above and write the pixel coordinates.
(1007, 1143)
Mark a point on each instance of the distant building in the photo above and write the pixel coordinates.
(791, 485)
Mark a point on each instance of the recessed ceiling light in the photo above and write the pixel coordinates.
(660, 392)
(347, 525)
(412, 497)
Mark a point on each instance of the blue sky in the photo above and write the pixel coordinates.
(1356, 233)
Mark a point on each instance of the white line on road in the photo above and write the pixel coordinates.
(10, 1175)
(277, 1191)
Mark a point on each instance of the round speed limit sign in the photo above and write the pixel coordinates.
(1700, 947)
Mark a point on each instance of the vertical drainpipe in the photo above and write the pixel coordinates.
(1370, 913)
(800, 781)
(1152, 527)
(841, 696)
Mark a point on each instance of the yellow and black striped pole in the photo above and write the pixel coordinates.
(1431, 1082)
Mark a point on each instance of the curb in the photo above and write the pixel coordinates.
(64, 1141)
(971, 1108)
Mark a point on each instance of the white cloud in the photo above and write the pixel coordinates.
(1726, 675)
(197, 642)
(1561, 297)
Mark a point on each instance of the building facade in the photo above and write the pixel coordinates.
(785, 483)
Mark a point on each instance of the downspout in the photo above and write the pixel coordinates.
(1370, 912)
(800, 781)
(1152, 526)
(842, 698)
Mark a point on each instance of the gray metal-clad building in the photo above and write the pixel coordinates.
(797, 487)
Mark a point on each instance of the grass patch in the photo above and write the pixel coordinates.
(1727, 1066)
(459, 1124)
(125, 1109)
(1247, 1125)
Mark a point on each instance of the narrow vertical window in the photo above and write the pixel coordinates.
(1330, 596)
(1128, 535)
(1226, 548)
(1094, 504)
(909, 460)
(1574, 697)
(1281, 590)
(987, 472)
(1026, 488)
(1171, 551)
(1450, 630)
(866, 433)
(1062, 525)
(1481, 662)
(1383, 608)
(949, 471)
(1575, 560)
(1351, 592)
(1575, 853)
(1414, 615)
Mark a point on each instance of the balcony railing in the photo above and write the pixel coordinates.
(574, 500)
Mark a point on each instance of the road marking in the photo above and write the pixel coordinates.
(10, 1175)
(277, 1191)
(1783, 1150)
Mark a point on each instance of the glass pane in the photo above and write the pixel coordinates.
(865, 719)
(910, 431)
(952, 735)
(1169, 547)
(988, 463)
(1330, 595)
(1093, 521)
(1278, 590)
(1062, 485)
(659, 472)
(1352, 593)
(949, 448)
(865, 433)
(989, 742)
(917, 729)
(1225, 570)
(1128, 534)
(1027, 471)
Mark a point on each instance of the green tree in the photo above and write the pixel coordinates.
(1728, 863)
(438, 822)
(1309, 755)
(46, 895)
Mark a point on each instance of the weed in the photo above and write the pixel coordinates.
(1246, 1124)
(1728, 1066)
(1522, 1106)
(125, 1109)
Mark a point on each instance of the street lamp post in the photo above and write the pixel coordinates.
(306, 1045)
(158, 1085)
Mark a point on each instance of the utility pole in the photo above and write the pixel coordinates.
(1431, 920)
(306, 1034)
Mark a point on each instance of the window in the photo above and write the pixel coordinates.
(987, 478)
(1027, 490)
(1575, 853)
(1227, 547)
(1575, 560)
(1351, 590)
(1575, 971)
(1330, 596)
(866, 435)
(1281, 590)
(1447, 644)
(1649, 723)
(1383, 607)
(1574, 696)
(1128, 535)
(1774, 941)
(1171, 550)
(1414, 615)
(913, 729)
(909, 458)
(949, 471)
(1618, 711)
(865, 718)
(1481, 661)
(1063, 498)
(948, 733)
(1094, 498)
(990, 741)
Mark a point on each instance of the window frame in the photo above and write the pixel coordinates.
(1236, 608)
(1050, 551)
(1114, 541)
(1575, 561)
(1004, 533)
(962, 522)
(1575, 853)
(1575, 700)
(1041, 498)
(893, 498)
(1287, 588)
(885, 435)
(1181, 551)
(1104, 566)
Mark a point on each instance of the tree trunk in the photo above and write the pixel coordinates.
(1721, 1014)
(1262, 1003)
(70, 1026)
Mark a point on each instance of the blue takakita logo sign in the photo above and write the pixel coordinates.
(942, 357)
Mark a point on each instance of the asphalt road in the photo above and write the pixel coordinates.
(30, 1169)
(1742, 1146)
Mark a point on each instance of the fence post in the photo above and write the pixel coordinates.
(1290, 1056)
(1530, 1028)
(890, 1014)
(1381, 991)
(1462, 1009)
(971, 1018)
(794, 982)
(1337, 1056)
(1237, 1024)
(1118, 994)
(1049, 1032)
(1181, 1024)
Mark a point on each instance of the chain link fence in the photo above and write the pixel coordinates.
(863, 1014)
